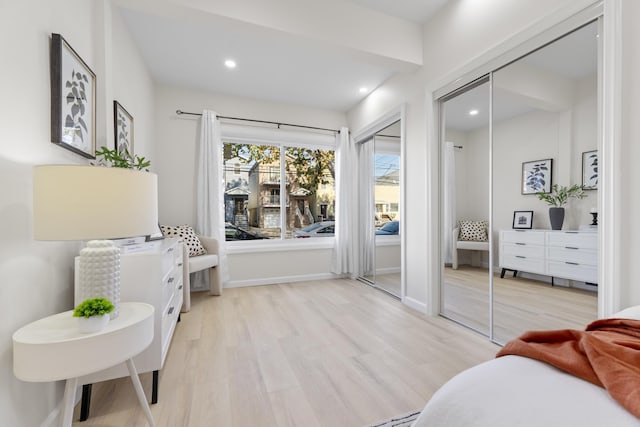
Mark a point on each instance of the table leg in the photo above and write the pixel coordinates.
(139, 391)
(69, 397)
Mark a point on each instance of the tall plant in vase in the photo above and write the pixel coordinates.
(557, 199)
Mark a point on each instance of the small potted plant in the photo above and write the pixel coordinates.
(93, 314)
(557, 198)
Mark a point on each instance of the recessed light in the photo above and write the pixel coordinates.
(363, 90)
(473, 112)
(230, 63)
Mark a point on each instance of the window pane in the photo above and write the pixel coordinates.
(251, 175)
(387, 192)
(311, 192)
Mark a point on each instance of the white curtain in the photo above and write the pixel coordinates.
(450, 215)
(366, 218)
(343, 257)
(210, 194)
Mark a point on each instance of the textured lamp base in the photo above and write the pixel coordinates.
(99, 273)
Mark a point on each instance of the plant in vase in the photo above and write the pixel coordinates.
(93, 314)
(121, 159)
(557, 198)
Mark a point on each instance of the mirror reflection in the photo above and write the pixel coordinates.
(380, 260)
(545, 118)
(465, 196)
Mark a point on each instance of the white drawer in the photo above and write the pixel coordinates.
(169, 284)
(524, 249)
(582, 272)
(522, 236)
(170, 317)
(573, 239)
(569, 254)
(523, 263)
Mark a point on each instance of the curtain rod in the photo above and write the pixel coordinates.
(179, 112)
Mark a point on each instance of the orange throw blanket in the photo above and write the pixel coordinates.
(606, 353)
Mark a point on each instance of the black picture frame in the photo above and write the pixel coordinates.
(122, 128)
(522, 220)
(590, 170)
(73, 100)
(537, 176)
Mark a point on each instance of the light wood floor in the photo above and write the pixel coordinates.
(519, 304)
(326, 353)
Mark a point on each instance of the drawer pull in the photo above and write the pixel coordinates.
(571, 247)
(171, 279)
(180, 265)
(520, 256)
(180, 287)
(571, 263)
(170, 250)
(521, 244)
(571, 232)
(170, 310)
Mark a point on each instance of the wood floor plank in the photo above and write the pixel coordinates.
(325, 353)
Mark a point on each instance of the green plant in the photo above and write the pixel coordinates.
(121, 159)
(560, 194)
(93, 307)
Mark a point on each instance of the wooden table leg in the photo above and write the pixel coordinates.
(140, 392)
(69, 398)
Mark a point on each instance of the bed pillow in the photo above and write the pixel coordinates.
(475, 231)
(628, 313)
(188, 236)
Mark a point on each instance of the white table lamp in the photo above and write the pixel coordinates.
(73, 202)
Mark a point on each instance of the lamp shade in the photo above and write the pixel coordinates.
(74, 202)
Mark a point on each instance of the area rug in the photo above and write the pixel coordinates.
(404, 420)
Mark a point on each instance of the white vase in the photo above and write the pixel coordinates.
(99, 273)
(88, 325)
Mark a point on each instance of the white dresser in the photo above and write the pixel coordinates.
(564, 254)
(151, 274)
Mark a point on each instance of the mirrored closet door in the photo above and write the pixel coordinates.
(539, 129)
(380, 207)
(465, 195)
(544, 125)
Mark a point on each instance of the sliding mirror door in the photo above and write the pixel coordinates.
(465, 139)
(380, 208)
(545, 132)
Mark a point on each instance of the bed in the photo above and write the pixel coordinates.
(513, 391)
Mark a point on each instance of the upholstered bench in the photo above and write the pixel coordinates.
(471, 230)
(196, 263)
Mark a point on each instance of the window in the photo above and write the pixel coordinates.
(277, 191)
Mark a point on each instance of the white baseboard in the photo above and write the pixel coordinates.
(388, 270)
(281, 279)
(414, 304)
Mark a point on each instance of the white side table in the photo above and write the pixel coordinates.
(52, 349)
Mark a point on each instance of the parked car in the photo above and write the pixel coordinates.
(318, 229)
(390, 228)
(232, 232)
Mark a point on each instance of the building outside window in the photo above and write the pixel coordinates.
(279, 189)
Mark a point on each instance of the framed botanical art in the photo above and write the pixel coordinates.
(536, 176)
(590, 170)
(122, 129)
(522, 219)
(73, 100)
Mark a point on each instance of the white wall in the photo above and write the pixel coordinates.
(37, 277)
(176, 147)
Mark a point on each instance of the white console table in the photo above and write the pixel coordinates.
(568, 254)
(53, 349)
(152, 273)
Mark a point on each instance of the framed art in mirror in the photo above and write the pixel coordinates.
(522, 220)
(73, 100)
(590, 170)
(536, 176)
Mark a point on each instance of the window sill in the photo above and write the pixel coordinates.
(280, 245)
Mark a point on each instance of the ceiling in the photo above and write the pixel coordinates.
(186, 46)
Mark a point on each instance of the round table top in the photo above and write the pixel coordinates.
(53, 348)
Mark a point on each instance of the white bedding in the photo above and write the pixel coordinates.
(514, 391)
